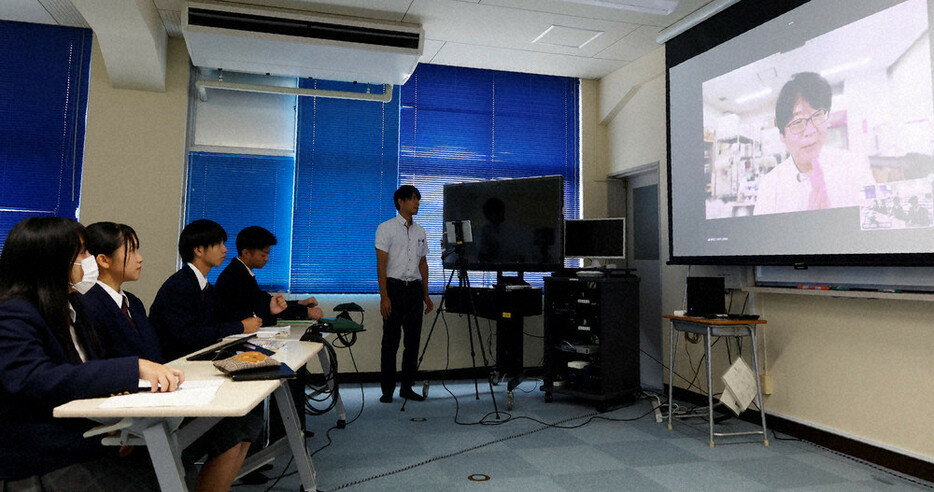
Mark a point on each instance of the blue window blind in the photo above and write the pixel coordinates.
(238, 191)
(44, 76)
(347, 155)
(464, 124)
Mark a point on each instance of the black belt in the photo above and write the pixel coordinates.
(402, 283)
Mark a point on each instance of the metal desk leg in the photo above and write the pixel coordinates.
(166, 457)
(338, 403)
(296, 436)
(759, 401)
(672, 350)
(709, 386)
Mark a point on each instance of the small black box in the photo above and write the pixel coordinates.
(706, 296)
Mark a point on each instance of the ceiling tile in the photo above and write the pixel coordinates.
(498, 27)
(684, 8)
(525, 61)
(569, 37)
(633, 46)
(430, 49)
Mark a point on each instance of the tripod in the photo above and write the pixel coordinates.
(463, 282)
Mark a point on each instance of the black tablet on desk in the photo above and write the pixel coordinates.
(281, 372)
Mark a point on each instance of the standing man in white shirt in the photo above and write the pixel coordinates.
(401, 248)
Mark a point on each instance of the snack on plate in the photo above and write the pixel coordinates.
(253, 357)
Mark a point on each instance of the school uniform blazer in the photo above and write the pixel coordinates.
(37, 376)
(239, 297)
(183, 316)
(118, 336)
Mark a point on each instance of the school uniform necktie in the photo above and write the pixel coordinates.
(125, 307)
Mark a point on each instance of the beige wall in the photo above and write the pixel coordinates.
(593, 153)
(134, 160)
(860, 368)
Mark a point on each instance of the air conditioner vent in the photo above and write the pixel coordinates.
(302, 28)
(300, 44)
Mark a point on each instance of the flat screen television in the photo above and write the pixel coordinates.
(595, 238)
(800, 133)
(517, 224)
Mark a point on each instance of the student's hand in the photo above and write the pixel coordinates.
(277, 304)
(428, 304)
(385, 306)
(162, 378)
(315, 313)
(251, 325)
(310, 302)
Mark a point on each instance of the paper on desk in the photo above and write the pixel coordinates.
(190, 393)
(272, 331)
(741, 388)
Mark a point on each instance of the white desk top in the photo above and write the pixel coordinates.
(233, 399)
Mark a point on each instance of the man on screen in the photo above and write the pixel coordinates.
(812, 177)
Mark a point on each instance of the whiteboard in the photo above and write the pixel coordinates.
(909, 279)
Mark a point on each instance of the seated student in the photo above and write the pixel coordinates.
(183, 311)
(238, 294)
(128, 332)
(50, 355)
(118, 316)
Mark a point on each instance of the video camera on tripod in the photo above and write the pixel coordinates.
(457, 233)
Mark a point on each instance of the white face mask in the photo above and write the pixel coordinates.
(89, 266)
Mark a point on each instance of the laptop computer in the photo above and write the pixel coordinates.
(706, 296)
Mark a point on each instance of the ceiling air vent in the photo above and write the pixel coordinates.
(302, 45)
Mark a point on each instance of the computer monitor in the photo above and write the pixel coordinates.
(595, 238)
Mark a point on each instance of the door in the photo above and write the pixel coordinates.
(635, 196)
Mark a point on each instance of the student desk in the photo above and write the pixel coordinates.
(161, 430)
(715, 328)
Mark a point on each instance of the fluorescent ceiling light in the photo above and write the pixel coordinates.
(659, 7)
(753, 96)
(862, 62)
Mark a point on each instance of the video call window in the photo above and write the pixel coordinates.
(844, 120)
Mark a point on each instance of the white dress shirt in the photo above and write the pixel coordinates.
(244, 266)
(406, 245)
(202, 280)
(72, 315)
(784, 189)
(118, 297)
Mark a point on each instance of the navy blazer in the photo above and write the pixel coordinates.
(239, 297)
(37, 376)
(183, 316)
(118, 336)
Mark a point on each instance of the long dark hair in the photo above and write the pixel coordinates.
(105, 238)
(35, 265)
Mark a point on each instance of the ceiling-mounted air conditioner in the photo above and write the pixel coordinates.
(281, 42)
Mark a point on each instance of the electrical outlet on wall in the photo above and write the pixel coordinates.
(766, 381)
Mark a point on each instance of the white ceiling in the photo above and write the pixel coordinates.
(584, 41)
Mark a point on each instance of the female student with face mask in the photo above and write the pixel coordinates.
(115, 247)
(49, 355)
